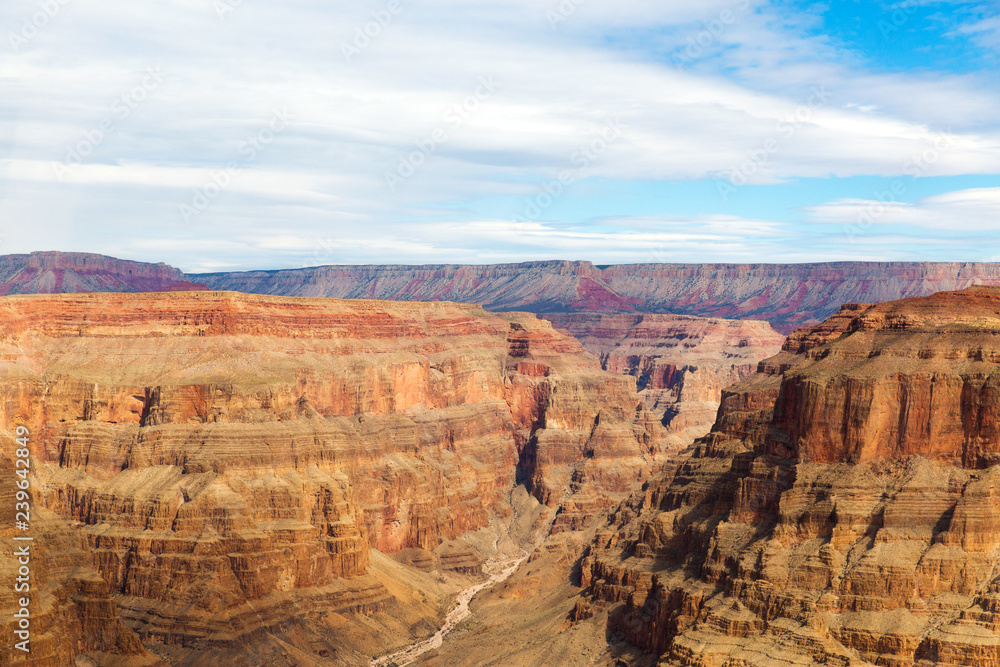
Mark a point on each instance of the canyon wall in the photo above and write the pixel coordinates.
(843, 511)
(681, 363)
(786, 295)
(224, 463)
(56, 272)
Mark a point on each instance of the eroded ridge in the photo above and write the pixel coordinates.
(842, 511)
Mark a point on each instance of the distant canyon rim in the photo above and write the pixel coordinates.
(786, 295)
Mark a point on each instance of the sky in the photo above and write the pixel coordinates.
(219, 135)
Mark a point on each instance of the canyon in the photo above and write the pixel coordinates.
(252, 479)
(681, 363)
(220, 476)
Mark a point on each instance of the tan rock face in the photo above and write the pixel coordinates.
(681, 363)
(72, 609)
(228, 460)
(914, 377)
(843, 512)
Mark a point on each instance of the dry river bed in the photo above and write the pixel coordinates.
(498, 571)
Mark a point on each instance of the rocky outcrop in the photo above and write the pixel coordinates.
(72, 608)
(787, 295)
(48, 272)
(227, 461)
(842, 511)
(681, 363)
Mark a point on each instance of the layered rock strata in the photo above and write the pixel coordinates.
(681, 363)
(842, 512)
(227, 461)
(72, 608)
(48, 272)
(787, 295)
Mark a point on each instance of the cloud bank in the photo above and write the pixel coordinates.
(242, 133)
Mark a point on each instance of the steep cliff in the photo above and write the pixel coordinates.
(786, 295)
(843, 510)
(48, 272)
(681, 363)
(72, 608)
(226, 462)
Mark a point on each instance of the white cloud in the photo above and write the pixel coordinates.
(986, 31)
(324, 176)
(960, 211)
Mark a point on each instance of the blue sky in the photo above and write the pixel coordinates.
(240, 134)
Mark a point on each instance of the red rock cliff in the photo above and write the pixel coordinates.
(787, 295)
(227, 460)
(681, 363)
(913, 377)
(47, 272)
(842, 511)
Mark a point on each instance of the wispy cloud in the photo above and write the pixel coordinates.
(955, 212)
(558, 83)
(985, 31)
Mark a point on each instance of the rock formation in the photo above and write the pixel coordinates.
(681, 363)
(225, 462)
(787, 295)
(48, 272)
(73, 609)
(843, 511)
